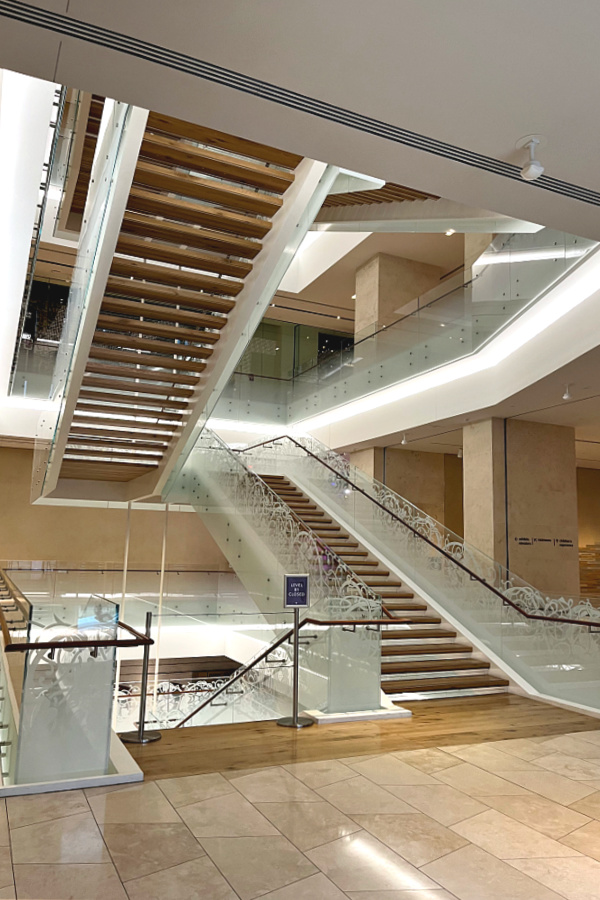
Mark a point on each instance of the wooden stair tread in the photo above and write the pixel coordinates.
(459, 682)
(147, 290)
(180, 233)
(158, 251)
(425, 649)
(432, 665)
(411, 634)
(178, 278)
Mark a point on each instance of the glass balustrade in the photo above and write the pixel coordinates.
(448, 323)
(551, 644)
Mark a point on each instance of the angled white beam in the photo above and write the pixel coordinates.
(427, 216)
(319, 251)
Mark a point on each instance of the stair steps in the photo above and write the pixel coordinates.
(421, 658)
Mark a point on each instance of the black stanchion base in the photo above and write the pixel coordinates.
(300, 722)
(133, 737)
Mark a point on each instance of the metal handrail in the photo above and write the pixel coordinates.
(338, 560)
(243, 670)
(473, 575)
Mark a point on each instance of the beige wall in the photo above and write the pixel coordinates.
(81, 535)
(369, 461)
(453, 494)
(484, 487)
(588, 506)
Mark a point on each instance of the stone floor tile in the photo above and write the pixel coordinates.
(440, 801)
(141, 803)
(193, 788)
(228, 816)
(308, 825)
(73, 839)
(316, 887)
(7, 892)
(476, 782)
(6, 873)
(359, 796)
(592, 736)
(572, 745)
(319, 774)
(69, 882)
(256, 865)
(554, 787)
(576, 878)
(416, 838)
(229, 774)
(360, 862)
(4, 833)
(430, 760)
(389, 769)
(32, 808)
(492, 760)
(434, 894)
(508, 839)
(570, 766)
(528, 749)
(350, 760)
(551, 819)
(585, 839)
(196, 880)
(473, 874)
(588, 806)
(141, 849)
(272, 786)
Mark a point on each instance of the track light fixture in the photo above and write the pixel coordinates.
(567, 394)
(404, 441)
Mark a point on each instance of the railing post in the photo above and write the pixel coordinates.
(140, 736)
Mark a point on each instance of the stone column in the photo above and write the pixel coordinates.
(520, 499)
(369, 461)
(386, 284)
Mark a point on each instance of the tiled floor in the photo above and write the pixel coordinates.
(506, 820)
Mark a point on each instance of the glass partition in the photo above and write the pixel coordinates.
(552, 643)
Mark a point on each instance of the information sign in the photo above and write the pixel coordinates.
(296, 593)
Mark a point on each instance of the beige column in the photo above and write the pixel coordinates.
(520, 499)
(369, 461)
(419, 477)
(385, 284)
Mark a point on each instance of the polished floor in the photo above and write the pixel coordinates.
(515, 819)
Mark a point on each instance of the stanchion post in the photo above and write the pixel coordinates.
(296, 596)
(141, 736)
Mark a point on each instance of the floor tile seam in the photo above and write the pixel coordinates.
(177, 808)
(413, 784)
(535, 880)
(533, 827)
(518, 823)
(382, 840)
(166, 869)
(309, 861)
(50, 822)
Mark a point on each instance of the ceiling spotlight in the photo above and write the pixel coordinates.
(353, 297)
(459, 454)
(450, 231)
(567, 393)
(404, 441)
(533, 168)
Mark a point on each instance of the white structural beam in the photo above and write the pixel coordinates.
(421, 216)
(25, 115)
(318, 252)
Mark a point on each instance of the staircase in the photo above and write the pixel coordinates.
(422, 659)
(199, 209)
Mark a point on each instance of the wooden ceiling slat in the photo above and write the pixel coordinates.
(202, 238)
(145, 359)
(135, 387)
(135, 268)
(156, 346)
(146, 248)
(123, 423)
(133, 410)
(145, 402)
(158, 122)
(389, 193)
(155, 204)
(147, 290)
(98, 435)
(143, 374)
(210, 162)
(176, 181)
(136, 308)
(155, 329)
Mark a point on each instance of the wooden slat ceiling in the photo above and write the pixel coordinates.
(200, 205)
(87, 157)
(389, 193)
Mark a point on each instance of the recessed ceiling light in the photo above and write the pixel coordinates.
(353, 297)
(339, 317)
(450, 231)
